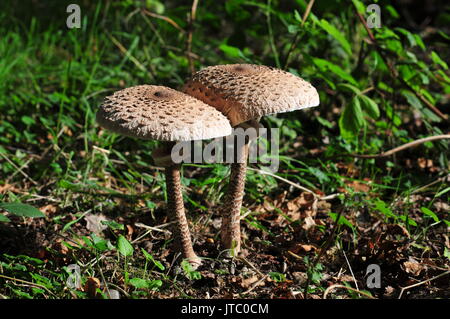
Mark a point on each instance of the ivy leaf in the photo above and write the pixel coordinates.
(20, 209)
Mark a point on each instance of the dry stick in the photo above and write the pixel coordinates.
(296, 38)
(130, 56)
(441, 179)
(18, 169)
(256, 284)
(403, 147)
(422, 282)
(327, 197)
(189, 37)
(323, 249)
(327, 291)
(167, 19)
(393, 71)
(28, 283)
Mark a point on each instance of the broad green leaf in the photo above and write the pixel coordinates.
(277, 277)
(335, 33)
(342, 220)
(351, 119)
(152, 259)
(113, 225)
(442, 192)
(349, 87)
(325, 66)
(412, 99)
(20, 209)
(145, 284)
(189, 271)
(359, 6)
(124, 247)
(139, 283)
(231, 51)
(429, 213)
(436, 59)
(369, 106)
(321, 176)
(405, 219)
(3, 218)
(381, 206)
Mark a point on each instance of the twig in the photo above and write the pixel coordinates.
(296, 38)
(251, 265)
(28, 283)
(167, 19)
(441, 179)
(190, 34)
(18, 169)
(256, 284)
(393, 71)
(323, 249)
(327, 291)
(402, 147)
(129, 55)
(349, 267)
(271, 39)
(422, 282)
(260, 171)
(327, 197)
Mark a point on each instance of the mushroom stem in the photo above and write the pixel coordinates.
(231, 211)
(177, 213)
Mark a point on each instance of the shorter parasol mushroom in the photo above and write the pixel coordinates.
(160, 113)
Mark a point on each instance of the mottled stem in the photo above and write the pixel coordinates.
(177, 213)
(231, 210)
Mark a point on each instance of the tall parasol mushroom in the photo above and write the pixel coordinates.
(244, 93)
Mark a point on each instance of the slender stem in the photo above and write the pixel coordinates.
(231, 211)
(177, 213)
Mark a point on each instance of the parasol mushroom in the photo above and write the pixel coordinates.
(160, 113)
(245, 93)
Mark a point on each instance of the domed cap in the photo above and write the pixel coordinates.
(161, 113)
(245, 91)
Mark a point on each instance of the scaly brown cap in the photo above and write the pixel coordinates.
(245, 91)
(160, 113)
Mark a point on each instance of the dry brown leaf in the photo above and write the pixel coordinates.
(413, 267)
(308, 223)
(49, 209)
(8, 187)
(246, 283)
(91, 286)
(94, 222)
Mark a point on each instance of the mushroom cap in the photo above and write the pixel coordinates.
(246, 91)
(161, 113)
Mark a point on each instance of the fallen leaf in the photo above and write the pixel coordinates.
(413, 267)
(94, 222)
(308, 223)
(91, 286)
(246, 283)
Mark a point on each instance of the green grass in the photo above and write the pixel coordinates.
(54, 157)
